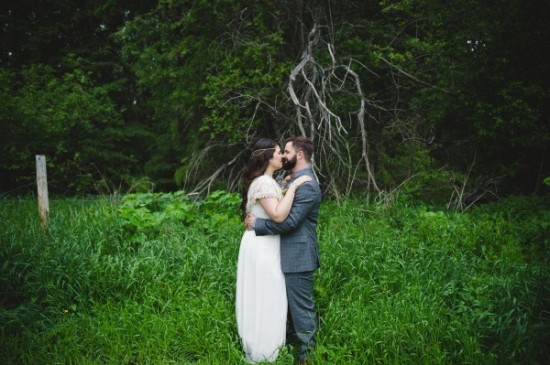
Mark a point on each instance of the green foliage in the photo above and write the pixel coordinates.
(247, 77)
(169, 51)
(114, 91)
(67, 95)
(433, 186)
(406, 284)
(69, 120)
(478, 106)
(143, 215)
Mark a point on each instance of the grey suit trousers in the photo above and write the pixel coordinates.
(299, 290)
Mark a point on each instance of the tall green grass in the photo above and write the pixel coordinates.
(406, 284)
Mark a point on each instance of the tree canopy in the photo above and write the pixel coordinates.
(446, 99)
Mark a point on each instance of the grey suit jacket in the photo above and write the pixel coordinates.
(299, 246)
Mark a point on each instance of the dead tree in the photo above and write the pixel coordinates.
(311, 87)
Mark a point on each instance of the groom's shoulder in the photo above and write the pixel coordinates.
(312, 186)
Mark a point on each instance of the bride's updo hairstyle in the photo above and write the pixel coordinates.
(262, 152)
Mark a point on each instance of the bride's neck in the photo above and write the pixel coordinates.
(269, 172)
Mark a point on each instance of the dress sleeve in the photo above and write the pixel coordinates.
(265, 188)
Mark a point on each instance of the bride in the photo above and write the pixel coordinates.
(261, 302)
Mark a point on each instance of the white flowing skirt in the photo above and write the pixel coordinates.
(261, 302)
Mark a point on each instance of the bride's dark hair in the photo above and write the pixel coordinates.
(262, 152)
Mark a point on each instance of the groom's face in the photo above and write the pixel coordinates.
(289, 157)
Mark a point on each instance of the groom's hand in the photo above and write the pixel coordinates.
(249, 221)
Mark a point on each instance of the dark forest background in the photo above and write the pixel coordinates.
(446, 100)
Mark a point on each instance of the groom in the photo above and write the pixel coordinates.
(299, 248)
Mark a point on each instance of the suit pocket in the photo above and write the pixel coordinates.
(296, 239)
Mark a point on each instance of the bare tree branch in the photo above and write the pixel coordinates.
(407, 74)
(206, 184)
(325, 125)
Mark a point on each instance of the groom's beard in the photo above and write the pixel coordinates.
(290, 164)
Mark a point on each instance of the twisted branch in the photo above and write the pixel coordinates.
(313, 113)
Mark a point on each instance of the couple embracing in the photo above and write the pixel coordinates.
(279, 252)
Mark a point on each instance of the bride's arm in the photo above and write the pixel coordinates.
(278, 210)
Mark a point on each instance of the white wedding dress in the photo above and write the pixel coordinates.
(261, 302)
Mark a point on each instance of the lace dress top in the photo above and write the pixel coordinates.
(262, 187)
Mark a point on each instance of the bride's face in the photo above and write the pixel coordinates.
(277, 160)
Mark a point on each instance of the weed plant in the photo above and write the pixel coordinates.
(151, 280)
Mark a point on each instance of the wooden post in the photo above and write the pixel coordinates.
(42, 186)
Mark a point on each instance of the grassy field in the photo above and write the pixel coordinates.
(153, 282)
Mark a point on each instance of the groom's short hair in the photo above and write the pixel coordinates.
(302, 144)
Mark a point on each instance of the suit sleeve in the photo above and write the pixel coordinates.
(304, 200)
